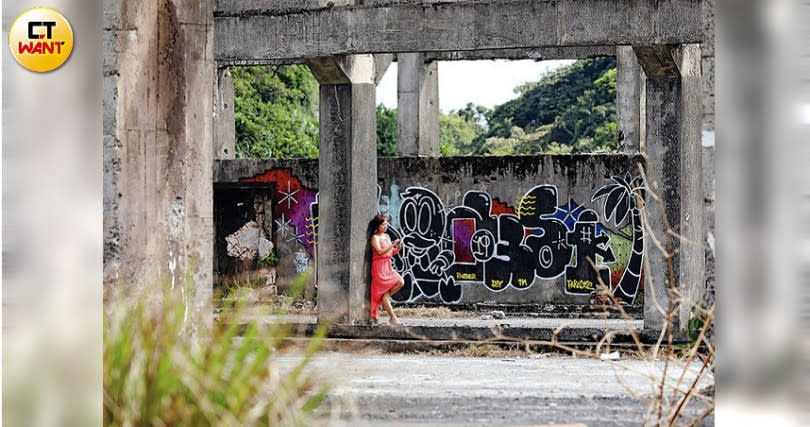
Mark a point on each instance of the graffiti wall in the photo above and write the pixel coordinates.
(243, 229)
(513, 230)
(288, 223)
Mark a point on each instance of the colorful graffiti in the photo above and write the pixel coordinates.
(483, 241)
(514, 248)
(291, 207)
(621, 198)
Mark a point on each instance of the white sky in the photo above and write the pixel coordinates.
(486, 83)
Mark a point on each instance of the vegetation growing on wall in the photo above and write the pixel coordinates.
(570, 110)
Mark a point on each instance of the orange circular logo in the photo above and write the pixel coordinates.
(41, 39)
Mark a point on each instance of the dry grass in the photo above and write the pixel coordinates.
(433, 313)
(485, 350)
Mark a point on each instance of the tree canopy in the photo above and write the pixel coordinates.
(570, 110)
(386, 131)
(276, 112)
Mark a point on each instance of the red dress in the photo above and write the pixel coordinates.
(383, 276)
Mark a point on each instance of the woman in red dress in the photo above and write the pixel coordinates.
(384, 280)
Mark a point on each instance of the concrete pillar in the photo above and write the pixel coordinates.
(693, 258)
(224, 124)
(629, 88)
(348, 186)
(158, 219)
(673, 144)
(663, 169)
(417, 106)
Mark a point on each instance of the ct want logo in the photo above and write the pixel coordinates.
(41, 39)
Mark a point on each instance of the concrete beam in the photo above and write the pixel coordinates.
(657, 61)
(347, 180)
(253, 33)
(537, 54)
(224, 122)
(343, 69)
(278, 7)
(252, 62)
(417, 106)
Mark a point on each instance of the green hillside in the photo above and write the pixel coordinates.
(570, 110)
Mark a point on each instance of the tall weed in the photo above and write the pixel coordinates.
(163, 367)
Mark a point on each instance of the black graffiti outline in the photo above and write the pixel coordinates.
(542, 219)
(424, 244)
(489, 243)
(599, 247)
(621, 198)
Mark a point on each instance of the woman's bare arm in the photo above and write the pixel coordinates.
(377, 245)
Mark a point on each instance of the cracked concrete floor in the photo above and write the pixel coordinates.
(375, 389)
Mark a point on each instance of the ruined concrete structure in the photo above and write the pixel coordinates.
(160, 140)
(158, 69)
(459, 218)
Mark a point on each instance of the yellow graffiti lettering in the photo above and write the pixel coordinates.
(465, 276)
(496, 283)
(523, 282)
(581, 284)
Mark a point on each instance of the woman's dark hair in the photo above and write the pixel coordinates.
(375, 224)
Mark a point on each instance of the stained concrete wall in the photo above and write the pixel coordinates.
(158, 97)
(462, 217)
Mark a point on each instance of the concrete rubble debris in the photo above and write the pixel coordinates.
(249, 241)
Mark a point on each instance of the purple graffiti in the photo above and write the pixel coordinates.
(463, 229)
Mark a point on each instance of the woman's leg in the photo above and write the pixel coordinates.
(386, 300)
(397, 287)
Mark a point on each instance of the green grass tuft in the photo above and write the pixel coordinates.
(164, 366)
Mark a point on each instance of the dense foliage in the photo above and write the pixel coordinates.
(276, 112)
(456, 131)
(570, 110)
(459, 130)
(386, 131)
